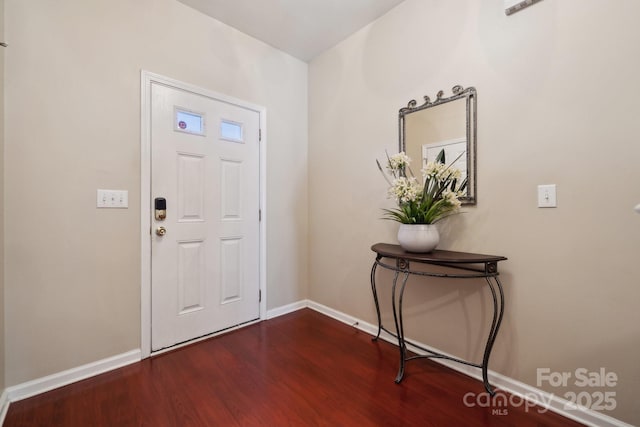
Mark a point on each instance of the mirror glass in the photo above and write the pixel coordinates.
(447, 123)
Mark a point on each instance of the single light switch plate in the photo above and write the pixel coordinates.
(118, 199)
(547, 196)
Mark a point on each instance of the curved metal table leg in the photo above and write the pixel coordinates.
(498, 312)
(375, 298)
(400, 330)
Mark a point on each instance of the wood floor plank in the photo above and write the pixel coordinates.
(302, 369)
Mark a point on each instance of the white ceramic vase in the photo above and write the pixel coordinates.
(418, 237)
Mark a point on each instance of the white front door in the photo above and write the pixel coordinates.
(205, 164)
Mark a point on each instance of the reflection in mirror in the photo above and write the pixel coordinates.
(446, 123)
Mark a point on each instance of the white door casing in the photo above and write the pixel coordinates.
(207, 271)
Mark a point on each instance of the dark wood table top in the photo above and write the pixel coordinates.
(435, 256)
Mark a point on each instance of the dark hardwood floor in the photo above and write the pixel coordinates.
(302, 369)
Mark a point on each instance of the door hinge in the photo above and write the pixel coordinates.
(260, 295)
(259, 135)
(259, 214)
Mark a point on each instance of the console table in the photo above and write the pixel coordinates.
(459, 265)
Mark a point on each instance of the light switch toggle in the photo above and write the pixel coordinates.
(547, 196)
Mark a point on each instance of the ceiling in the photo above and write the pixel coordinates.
(302, 28)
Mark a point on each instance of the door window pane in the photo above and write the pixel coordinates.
(189, 121)
(231, 131)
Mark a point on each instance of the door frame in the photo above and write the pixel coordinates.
(147, 79)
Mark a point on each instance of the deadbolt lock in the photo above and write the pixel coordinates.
(160, 206)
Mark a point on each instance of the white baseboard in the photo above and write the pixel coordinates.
(41, 385)
(286, 309)
(531, 394)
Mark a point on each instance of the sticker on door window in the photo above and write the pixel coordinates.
(189, 121)
(231, 131)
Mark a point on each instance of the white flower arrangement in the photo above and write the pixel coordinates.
(426, 202)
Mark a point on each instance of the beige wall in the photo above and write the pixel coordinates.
(557, 103)
(73, 125)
